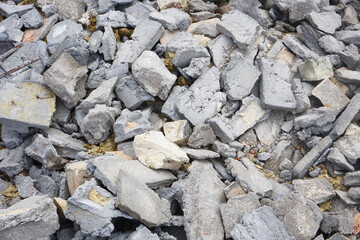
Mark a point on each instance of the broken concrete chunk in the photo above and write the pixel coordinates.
(157, 152)
(200, 154)
(95, 41)
(202, 197)
(239, 77)
(243, 29)
(26, 217)
(97, 123)
(354, 193)
(143, 232)
(60, 31)
(27, 103)
(203, 99)
(7, 10)
(44, 152)
(183, 56)
(275, 87)
(130, 124)
(348, 37)
(348, 143)
(341, 222)
(331, 44)
(317, 117)
(268, 130)
(297, 47)
(197, 67)
(236, 208)
(108, 44)
(66, 78)
(181, 40)
(201, 136)
(336, 157)
(220, 49)
(138, 13)
(315, 70)
(25, 186)
(300, 9)
(164, 4)
(14, 160)
(32, 19)
(261, 223)
(172, 19)
(113, 19)
(249, 177)
(150, 72)
(70, 10)
(76, 175)
(142, 203)
(347, 76)
(318, 190)
(178, 131)
(327, 22)
(330, 95)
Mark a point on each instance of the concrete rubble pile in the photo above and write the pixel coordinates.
(179, 119)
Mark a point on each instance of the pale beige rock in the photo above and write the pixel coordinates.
(178, 131)
(164, 4)
(154, 150)
(168, 36)
(203, 40)
(76, 175)
(330, 95)
(315, 70)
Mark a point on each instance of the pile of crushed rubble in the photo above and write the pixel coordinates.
(179, 119)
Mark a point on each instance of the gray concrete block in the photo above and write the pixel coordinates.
(172, 19)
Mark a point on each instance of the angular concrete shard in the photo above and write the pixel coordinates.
(275, 87)
(172, 19)
(202, 197)
(327, 22)
(239, 77)
(142, 203)
(315, 70)
(261, 223)
(249, 177)
(35, 216)
(106, 169)
(28, 103)
(347, 76)
(318, 190)
(220, 49)
(157, 152)
(330, 95)
(150, 72)
(203, 99)
(66, 78)
(242, 28)
(348, 143)
(76, 175)
(178, 131)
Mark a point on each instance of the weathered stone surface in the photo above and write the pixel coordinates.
(164, 4)
(114, 19)
(90, 201)
(172, 19)
(131, 93)
(327, 22)
(157, 152)
(200, 154)
(95, 41)
(300, 9)
(310, 37)
(181, 40)
(336, 157)
(315, 70)
(76, 175)
(347, 76)
(303, 165)
(97, 123)
(106, 169)
(316, 117)
(26, 217)
(25, 186)
(220, 49)
(14, 160)
(249, 177)
(301, 217)
(130, 124)
(330, 95)
(318, 190)
(168, 109)
(348, 37)
(235, 209)
(32, 19)
(143, 233)
(28, 103)
(243, 29)
(143, 204)
(183, 56)
(297, 47)
(275, 87)
(348, 143)
(268, 130)
(138, 13)
(351, 179)
(202, 197)
(44, 152)
(178, 131)
(331, 44)
(201, 136)
(239, 77)
(150, 72)
(108, 44)
(65, 145)
(7, 10)
(70, 10)
(203, 99)
(145, 36)
(261, 223)
(66, 78)
(354, 193)
(341, 222)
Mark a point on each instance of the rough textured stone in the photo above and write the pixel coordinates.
(354, 193)
(275, 87)
(318, 190)
(66, 78)
(108, 44)
(348, 143)
(327, 22)
(348, 37)
(315, 70)
(300, 9)
(347, 76)
(143, 233)
(70, 10)
(261, 223)
(201, 136)
(76, 175)
(157, 152)
(297, 47)
(32, 19)
(25, 186)
(114, 19)
(202, 197)
(243, 29)
(7, 10)
(239, 77)
(341, 222)
(183, 56)
(249, 177)
(44, 152)
(30, 104)
(168, 109)
(137, 13)
(172, 19)
(317, 117)
(351, 179)
(200, 154)
(134, 197)
(336, 157)
(150, 72)
(203, 99)
(26, 217)
(331, 44)
(178, 131)
(235, 209)
(130, 124)
(220, 49)
(181, 40)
